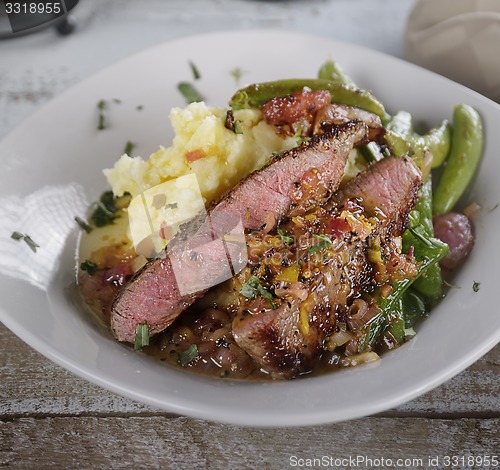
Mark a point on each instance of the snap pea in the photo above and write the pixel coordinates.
(465, 154)
(254, 96)
(330, 70)
(438, 141)
(403, 140)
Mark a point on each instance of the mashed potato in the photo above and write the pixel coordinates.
(202, 145)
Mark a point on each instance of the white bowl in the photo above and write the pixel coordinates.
(51, 169)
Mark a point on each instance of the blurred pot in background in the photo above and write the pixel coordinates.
(18, 18)
(459, 39)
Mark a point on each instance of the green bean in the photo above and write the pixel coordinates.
(330, 70)
(254, 96)
(465, 154)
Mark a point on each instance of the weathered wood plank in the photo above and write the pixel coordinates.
(29, 383)
(159, 442)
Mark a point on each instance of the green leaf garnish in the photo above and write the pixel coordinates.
(475, 286)
(129, 147)
(188, 355)
(89, 267)
(194, 69)
(237, 127)
(253, 287)
(324, 242)
(189, 92)
(102, 106)
(249, 289)
(267, 295)
(27, 239)
(236, 73)
(105, 212)
(141, 336)
(83, 225)
(287, 239)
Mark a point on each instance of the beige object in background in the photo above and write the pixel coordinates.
(459, 39)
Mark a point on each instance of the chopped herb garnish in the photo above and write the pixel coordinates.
(83, 225)
(236, 73)
(237, 127)
(27, 239)
(324, 242)
(449, 285)
(101, 106)
(140, 107)
(194, 69)
(172, 205)
(188, 355)
(189, 92)
(141, 336)
(298, 135)
(493, 208)
(475, 286)
(129, 147)
(89, 267)
(267, 295)
(253, 287)
(287, 239)
(249, 289)
(231, 124)
(105, 212)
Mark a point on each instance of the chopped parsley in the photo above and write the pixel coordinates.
(231, 124)
(287, 239)
(236, 73)
(324, 242)
(105, 212)
(475, 286)
(27, 239)
(188, 355)
(194, 69)
(101, 107)
(129, 147)
(83, 225)
(141, 336)
(253, 287)
(190, 93)
(89, 267)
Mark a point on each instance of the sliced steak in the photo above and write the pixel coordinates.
(335, 114)
(286, 182)
(287, 340)
(155, 295)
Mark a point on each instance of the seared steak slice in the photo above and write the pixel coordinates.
(154, 295)
(299, 178)
(287, 340)
(335, 114)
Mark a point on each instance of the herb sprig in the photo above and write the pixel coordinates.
(26, 238)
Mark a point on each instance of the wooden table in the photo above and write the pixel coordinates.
(52, 419)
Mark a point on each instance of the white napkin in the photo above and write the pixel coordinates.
(459, 39)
